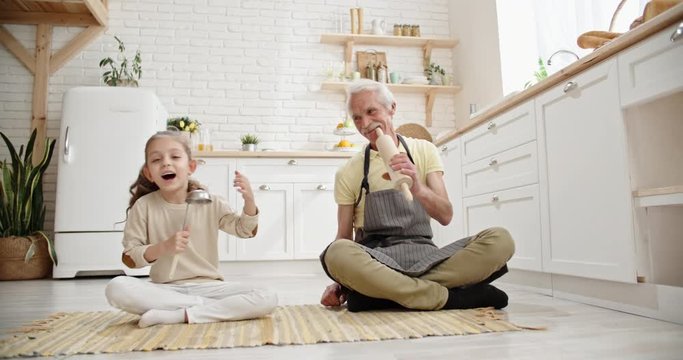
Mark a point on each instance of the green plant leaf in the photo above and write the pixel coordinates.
(31, 251)
(22, 210)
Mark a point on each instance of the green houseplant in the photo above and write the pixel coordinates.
(122, 74)
(539, 74)
(22, 214)
(435, 74)
(249, 142)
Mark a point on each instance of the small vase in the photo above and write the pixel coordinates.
(249, 147)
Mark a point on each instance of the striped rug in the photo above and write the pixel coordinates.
(115, 332)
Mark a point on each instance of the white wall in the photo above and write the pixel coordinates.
(477, 57)
(237, 66)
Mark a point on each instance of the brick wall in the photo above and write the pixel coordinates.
(237, 66)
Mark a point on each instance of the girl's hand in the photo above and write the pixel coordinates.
(178, 242)
(244, 188)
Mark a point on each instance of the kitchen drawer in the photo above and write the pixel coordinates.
(516, 210)
(290, 170)
(515, 127)
(652, 68)
(511, 168)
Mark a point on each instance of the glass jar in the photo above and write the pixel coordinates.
(397, 30)
(405, 30)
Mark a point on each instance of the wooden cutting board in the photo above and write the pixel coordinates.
(369, 57)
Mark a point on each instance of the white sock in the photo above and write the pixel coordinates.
(154, 317)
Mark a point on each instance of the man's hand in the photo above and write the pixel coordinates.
(401, 163)
(333, 296)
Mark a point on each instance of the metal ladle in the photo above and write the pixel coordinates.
(193, 197)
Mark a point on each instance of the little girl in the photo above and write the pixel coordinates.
(152, 236)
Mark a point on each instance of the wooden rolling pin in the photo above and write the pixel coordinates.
(387, 150)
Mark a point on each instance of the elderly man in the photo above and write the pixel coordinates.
(383, 255)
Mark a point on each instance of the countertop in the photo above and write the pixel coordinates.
(656, 24)
(272, 154)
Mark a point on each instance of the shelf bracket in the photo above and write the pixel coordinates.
(429, 105)
(427, 54)
(348, 57)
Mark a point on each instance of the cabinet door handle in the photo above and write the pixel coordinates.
(493, 162)
(444, 148)
(66, 145)
(495, 198)
(264, 187)
(201, 162)
(677, 33)
(570, 86)
(291, 162)
(321, 187)
(491, 126)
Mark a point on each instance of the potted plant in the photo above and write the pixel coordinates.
(249, 142)
(26, 251)
(122, 74)
(183, 123)
(539, 75)
(435, 74)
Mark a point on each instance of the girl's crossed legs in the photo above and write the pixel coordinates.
(192, 302)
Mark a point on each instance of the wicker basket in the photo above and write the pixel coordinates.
(413, 130)
(12, 265)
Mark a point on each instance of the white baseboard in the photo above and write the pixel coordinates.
(655, 301)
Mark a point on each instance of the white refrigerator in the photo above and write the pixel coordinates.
(100, 152)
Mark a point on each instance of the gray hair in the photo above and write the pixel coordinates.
(384, 96)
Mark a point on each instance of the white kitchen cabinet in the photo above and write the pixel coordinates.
(217, 176)
(586, 206)
(515, 167)
(450, 156)
(652, 68)
(275, 237)
(516, 210)
(298, 214)
(315, 218)
(499, 182)
(512, 128)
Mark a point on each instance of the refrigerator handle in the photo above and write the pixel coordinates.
(66, 145)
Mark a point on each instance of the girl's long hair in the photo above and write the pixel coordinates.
(142, 186)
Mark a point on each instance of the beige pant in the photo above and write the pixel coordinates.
(354, 268)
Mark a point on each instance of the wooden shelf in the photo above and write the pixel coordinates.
(670, 195)
(411, 41)
(430, 92)
(426, 43)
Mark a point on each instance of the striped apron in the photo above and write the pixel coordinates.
(398, 233)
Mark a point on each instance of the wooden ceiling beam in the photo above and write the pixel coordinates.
(74, 46)
(19, 51)
(99, 11)
(60, 19)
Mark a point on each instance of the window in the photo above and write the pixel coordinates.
(529, 29)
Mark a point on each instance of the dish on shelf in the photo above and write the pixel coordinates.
(345, 131)
(416, 80)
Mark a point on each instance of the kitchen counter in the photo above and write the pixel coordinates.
(272, 154)
(608, 50)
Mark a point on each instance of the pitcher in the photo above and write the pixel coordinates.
(378, 26)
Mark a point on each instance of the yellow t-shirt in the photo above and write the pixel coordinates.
(350, 175)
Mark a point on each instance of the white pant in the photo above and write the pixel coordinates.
(203, 302)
